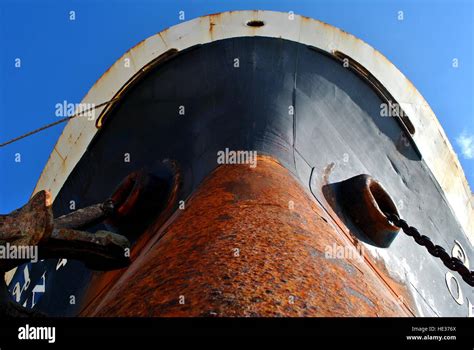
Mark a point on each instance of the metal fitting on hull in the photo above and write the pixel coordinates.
(366, 201)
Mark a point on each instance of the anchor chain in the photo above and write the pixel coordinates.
(437, 251)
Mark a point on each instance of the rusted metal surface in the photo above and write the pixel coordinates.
(85, 216)
(438, 155)
(33, 226)
(328, 197)
(30, 224)
(139, 198)
(430, 138)
(251, 242)
(102, 281)
(24, 227)
(101, 250)
(136, 201)
(366, 201)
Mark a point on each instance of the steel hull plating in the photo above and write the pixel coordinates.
(321, 122)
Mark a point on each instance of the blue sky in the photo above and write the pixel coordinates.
(61, 60)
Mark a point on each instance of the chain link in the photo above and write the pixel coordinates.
(437, 251)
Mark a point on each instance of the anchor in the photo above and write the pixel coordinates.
(34, 225)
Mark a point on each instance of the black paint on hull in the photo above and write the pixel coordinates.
(336, 129)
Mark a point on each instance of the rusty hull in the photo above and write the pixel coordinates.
(250, 242)
(430, 138)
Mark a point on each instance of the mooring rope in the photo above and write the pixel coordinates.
(57, 122)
